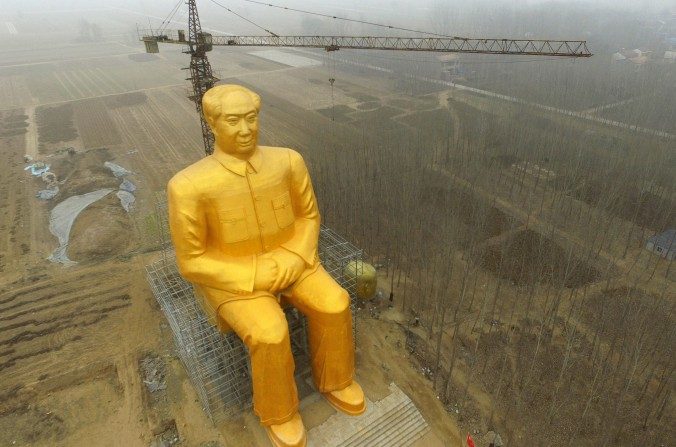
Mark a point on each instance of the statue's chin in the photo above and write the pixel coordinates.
(240, 150)
(244, 149)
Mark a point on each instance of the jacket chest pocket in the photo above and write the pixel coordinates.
(283, 210)
(233, 225)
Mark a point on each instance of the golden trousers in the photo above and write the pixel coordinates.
(262, 326)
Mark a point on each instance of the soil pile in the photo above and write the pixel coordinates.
(529, 258)
(83, 172)
(100, 232)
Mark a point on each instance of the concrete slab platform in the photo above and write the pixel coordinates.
(392, 421)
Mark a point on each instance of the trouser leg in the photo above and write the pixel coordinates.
(262, 326)
(326, 306)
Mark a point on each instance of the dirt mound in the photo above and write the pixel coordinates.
(100, 232)
(529, 257)
(473, 219)
(646, 208)
(83, 172)
(627, 310)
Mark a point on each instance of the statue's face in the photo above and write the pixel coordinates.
(236, 129)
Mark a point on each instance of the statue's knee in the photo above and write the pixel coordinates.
(270, 332)
(336, 302)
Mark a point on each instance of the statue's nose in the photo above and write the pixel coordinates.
(244, 128)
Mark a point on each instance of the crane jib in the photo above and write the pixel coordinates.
(569, 48)
(532, 47)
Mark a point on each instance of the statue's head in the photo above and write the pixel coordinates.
(232, 113)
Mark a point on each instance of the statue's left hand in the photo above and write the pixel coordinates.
(290, 266)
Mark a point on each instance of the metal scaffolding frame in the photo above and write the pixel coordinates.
(218, 364)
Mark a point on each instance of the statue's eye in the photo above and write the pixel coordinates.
(232, 121)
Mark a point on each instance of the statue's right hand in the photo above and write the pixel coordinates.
(266, 273)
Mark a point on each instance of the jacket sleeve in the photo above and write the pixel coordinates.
(306, 234)
(197, 261)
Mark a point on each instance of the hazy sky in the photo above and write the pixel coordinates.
(604, 22)
(158, 6)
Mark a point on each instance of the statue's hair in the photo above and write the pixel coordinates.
(213, 100)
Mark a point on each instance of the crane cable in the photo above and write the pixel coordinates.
(244, 18)
(170, 16)
(330, 16)
(332, 80)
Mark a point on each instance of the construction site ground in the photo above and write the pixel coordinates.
(72, 339)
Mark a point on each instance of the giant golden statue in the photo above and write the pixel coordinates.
(245, 226)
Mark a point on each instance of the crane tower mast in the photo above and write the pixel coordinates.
(201, 76)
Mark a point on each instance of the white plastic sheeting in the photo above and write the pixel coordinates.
(126, 185)
(37, 169)
(62, 217)
(127, 199)
(117, 170)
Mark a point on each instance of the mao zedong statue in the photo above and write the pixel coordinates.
(245, 226)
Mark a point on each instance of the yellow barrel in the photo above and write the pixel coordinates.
(364, 274)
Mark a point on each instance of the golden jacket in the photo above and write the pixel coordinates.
(224, 212)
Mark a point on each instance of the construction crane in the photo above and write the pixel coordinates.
(202, 78)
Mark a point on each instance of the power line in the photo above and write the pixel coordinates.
(363, 22)
(244, 18)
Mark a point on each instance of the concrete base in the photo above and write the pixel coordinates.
(392, 421)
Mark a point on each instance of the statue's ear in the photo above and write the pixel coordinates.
(211, 121)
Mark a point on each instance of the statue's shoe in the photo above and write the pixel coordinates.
(349, 400)
(288, 434)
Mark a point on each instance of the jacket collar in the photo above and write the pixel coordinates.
(237, 166)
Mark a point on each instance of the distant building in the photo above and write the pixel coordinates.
(663, 244)
(670, 56)
(636, 56)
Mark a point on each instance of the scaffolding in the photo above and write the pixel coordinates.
(218, 364)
